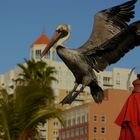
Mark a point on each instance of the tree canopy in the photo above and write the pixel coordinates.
(31, 103)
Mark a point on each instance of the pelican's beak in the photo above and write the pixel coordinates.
(53, 40)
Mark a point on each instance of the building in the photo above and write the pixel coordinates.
(115, 79)
(93, 121)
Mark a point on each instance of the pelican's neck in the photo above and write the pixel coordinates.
(59, 47)
(60, 50)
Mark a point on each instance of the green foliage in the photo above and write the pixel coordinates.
(38, 71)
(31, 103)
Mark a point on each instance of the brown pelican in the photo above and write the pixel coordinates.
(110, 40)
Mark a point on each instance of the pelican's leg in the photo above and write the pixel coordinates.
(74, 88)
(76, 94)
(69, 96)
(85, 82)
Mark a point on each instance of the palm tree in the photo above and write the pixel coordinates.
(4, 107)
(38, 71)
(32, 102)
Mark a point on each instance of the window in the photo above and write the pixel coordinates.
(83, 118)
(68, 133)
(69, 123)
(86, 129)
(56, 124)
(65, 123)
(107, 80)
(95, 129)
(118, 79)
(78, 120)
(103, 118)
(95, 118)
(77, 131)
(37, 54)
(102, 130)
(63, 135)
(72, 132)
(55, 133)
(81, 130)
(73, 121)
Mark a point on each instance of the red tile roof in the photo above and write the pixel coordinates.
(43, 39)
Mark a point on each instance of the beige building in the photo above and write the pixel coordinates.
(115, 79)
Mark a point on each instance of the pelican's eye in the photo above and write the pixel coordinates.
(63, 32)
(58, 30)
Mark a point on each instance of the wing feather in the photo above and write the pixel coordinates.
(108, 23)
(115, 48)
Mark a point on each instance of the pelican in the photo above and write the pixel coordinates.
(111, 38)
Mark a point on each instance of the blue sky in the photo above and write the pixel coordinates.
(22, 22)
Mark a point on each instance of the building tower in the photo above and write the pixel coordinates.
(38, 46)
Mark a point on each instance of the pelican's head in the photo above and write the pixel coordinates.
(61, 34)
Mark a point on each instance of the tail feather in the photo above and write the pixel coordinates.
(97, 93)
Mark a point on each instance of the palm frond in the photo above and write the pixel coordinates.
(31, 103)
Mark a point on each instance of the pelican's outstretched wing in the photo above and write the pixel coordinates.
(113, 49)
(108, 23)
